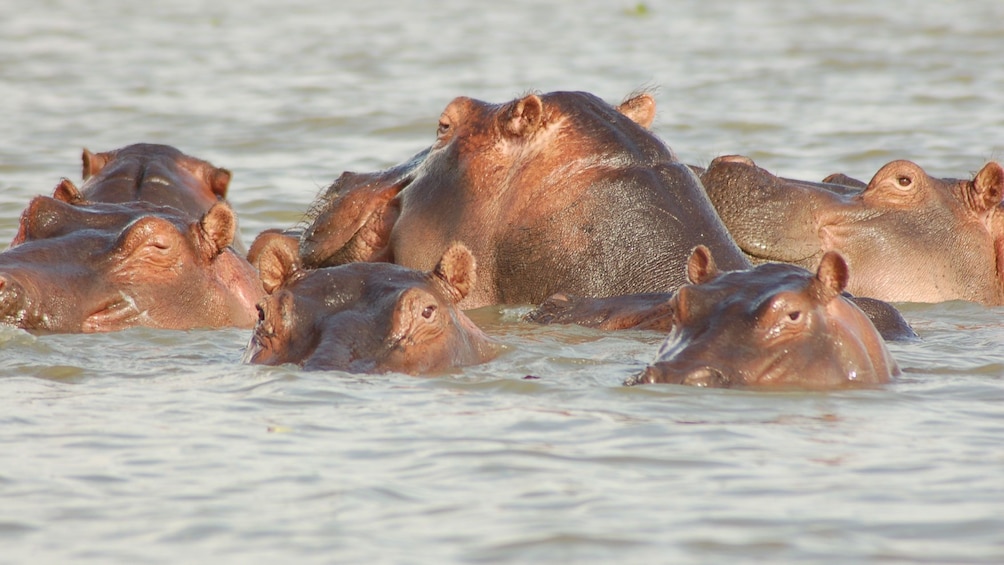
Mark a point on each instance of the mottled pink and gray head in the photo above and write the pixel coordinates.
(773, 325)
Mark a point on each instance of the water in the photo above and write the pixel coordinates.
(149, 446)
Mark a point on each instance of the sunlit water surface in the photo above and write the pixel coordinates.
(151, 446)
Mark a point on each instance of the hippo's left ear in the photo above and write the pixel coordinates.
(988, 186)
(457, 269)
(831, 276)
(640, 108)
(218, 227)
(68, 192)
(701, 266)
(94, 162)
(276, 257)
(524, 116)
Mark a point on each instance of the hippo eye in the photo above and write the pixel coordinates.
(444, 128)
(795, 316)
(428, 312)
(904, 181)
(261, 313)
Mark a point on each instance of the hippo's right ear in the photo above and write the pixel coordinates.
(524, 116)
(988, 186)
(831, 276)
(701, 266)
(640, 108)
(276, 257)
(68, 192)
(219, 181)
(457, 269)
(94, 162)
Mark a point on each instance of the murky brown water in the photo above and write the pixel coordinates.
(159, 447)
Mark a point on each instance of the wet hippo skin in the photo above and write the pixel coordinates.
(559, 192)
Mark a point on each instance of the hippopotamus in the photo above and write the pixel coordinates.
(906, 236)
(559, 192)
(364, 317)
(772, 325)
(109, 266)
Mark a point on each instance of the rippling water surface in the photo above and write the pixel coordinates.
(149, 446)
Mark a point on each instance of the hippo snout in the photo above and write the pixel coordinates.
(667, 373)
(13, 304)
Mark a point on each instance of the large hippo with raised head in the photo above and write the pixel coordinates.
(907, 236)
(773, 325)
(553, 192)
(364, 317)
(104, 267)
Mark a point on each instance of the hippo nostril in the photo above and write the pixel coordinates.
(707, 377)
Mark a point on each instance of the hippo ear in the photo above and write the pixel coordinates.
(457, 268)
(988, 187)
(275, 256)
(68, 192)
(93, 163)
(640, 108)
(218, 227)
(524, 116)
(219, 181)
(701, 266)
(831, 276)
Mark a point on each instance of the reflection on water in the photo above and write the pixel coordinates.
(153, 446)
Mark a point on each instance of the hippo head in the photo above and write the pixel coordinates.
(905, 235)
(364, 317)
(557, 192)
(155, 173)
(774, 325)
(105, 267)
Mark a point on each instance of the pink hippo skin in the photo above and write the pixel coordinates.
(770, 326)
(559, 192)
(364, 317)
(906, 236)
(105, 267)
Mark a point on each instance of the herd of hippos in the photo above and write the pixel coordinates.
(557, 200)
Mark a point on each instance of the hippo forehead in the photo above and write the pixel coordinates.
(357, 284)
(749, 291)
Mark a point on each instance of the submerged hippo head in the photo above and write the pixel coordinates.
(774, 325)
(159, 174)
(364, 317)
(105, 267)
(906, 236)
(554, 192)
